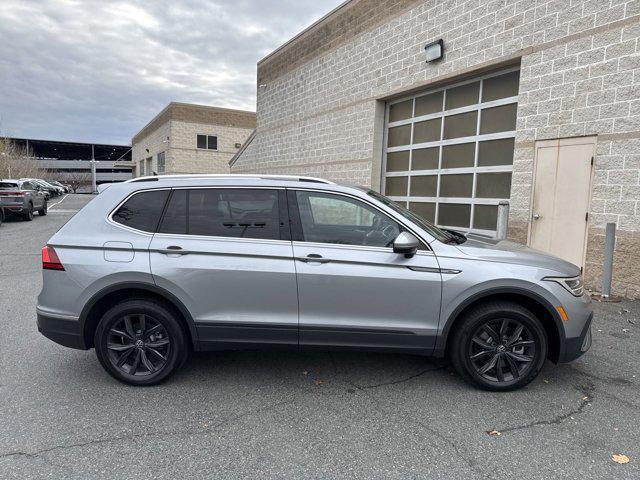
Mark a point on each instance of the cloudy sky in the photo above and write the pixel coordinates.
(98, 70)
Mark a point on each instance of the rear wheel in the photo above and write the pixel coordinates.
(140, 342)
(499, 346)
(43, 211)
(28, 215)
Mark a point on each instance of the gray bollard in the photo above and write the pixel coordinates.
(607, 268)
(503, 220)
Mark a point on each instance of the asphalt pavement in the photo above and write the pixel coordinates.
(301, 415)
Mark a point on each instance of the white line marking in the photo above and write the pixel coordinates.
(58, 203)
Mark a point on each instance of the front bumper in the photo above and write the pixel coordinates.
(63, 330)
(575, 347)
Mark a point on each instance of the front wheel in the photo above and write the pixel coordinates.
(499, 346)
(140, 342)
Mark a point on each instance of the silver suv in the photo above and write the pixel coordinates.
(156, 267)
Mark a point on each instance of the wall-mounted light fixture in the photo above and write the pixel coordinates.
(238, 145)
(434, 50)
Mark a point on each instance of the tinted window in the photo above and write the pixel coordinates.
(175, 216)
(202, 141)
(142, 211)
(212, 142)
(239, 213)
(7, 185)
(327, 218)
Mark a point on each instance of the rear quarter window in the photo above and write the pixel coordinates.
(7, 185)
(142, 211)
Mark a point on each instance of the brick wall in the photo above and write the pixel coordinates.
(580, 63)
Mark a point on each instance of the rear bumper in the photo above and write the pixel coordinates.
(61, 329)
(576, 346)
(13, 209)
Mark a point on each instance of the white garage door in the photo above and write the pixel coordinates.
(449, 152)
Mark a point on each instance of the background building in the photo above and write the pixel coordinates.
(70, 162)
(537, 103)
(185, 138)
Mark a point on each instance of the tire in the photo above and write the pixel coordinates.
(28, 215)
(43, 211)
(169, 342)
(482, 338)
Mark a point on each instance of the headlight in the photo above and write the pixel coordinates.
(573, 284)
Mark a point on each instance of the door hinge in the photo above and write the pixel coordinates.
(586, 217)
(592, 160)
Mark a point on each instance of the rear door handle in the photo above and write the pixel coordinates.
(173, 250)
(313, 258)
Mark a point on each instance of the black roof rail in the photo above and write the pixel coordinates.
(144, 179)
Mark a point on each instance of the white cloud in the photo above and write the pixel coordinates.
(95, 70)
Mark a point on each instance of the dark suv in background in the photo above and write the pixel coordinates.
(22, 198)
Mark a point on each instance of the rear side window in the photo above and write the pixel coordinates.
(8, 186)
(142, 211)
(240, 213)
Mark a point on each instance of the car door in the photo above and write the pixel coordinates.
(227, 254)
(34, 194)
(353, 290)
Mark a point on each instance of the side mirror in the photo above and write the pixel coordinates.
(406, 244)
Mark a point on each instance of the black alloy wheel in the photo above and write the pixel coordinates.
(138, 345)
(498, 346)
(502, 350)
(141, 341)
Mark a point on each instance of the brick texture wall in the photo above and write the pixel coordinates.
(580, 62)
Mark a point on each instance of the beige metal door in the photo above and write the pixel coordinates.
(561, 195)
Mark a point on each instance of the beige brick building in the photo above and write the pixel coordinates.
(536, 102)
(186, 138)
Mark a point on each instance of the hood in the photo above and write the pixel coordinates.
(506, 251)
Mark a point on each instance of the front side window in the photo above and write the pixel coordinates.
(328, 218)
(217, 212)
(142, 211)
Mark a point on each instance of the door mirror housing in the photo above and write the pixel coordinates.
(406, 244)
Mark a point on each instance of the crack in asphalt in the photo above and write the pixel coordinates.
(469, 461)
(135, 436)
(587, 399)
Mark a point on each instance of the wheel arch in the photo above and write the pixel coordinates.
(101, 301)
(539, 306)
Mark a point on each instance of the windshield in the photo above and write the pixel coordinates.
(438, 233)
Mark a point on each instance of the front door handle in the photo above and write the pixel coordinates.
(173, 250)
(313, 258)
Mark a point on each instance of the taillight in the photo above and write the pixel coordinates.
(4, 193)
(50, 260)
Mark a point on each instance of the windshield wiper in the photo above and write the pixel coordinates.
(455, 237)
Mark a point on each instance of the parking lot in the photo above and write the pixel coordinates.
(307, 415)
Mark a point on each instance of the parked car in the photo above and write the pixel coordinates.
(157, 266)
(54, 188)
(22, 198)
(49, 190)
(63, 188)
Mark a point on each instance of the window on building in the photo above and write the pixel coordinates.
(327, 218)
(449, 152)
(142, 211)
(141, 168)
(161, 162)
(149, 166)
(207, 142)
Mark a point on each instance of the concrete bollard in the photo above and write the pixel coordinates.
(503, 220)
(607, 268)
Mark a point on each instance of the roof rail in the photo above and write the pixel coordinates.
(195, 176)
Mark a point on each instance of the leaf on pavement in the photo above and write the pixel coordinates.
(494, 433)
(620, 458)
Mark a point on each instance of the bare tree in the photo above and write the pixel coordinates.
(17, 161)
(77, 180)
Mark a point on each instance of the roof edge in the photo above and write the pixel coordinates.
(244, 146)
(308, 29)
